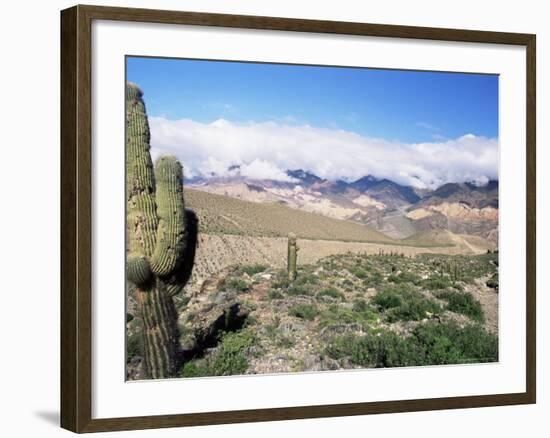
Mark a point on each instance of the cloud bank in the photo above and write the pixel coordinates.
(268, 149)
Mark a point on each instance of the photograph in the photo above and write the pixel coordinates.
(289, 218)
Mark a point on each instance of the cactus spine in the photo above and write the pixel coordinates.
(292, 255)
(161, 240)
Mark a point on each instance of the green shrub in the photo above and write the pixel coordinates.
(373, 279)
(438, 282)
(237, 284)
(274, 294)
(230, 358)
(387, 299)
(405, 277)
(400, 302)
(360, 305)
(359, 272)
(429, 344)
(473, 343)
(195, 369)
(393, 279)
(272, 328)
(329, 265)
(414, 308)
(463, 303)
(330, 292)
(350, 345)
(299, 289)
(348, 283)
(305, 278)
(253, 269)
(335, 315)
(304, 311)
(493, 281)
(133, 346)
(385, 349)
(285, 342)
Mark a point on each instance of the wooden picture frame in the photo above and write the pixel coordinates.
(76, 217)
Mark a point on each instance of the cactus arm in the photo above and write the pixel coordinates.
(171, 212)
(182, 275)
(138, 270)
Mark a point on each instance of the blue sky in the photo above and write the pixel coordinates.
(416, 128)
(399, 105)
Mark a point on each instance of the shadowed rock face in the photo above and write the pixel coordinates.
(466, 193)
(304, 177)
(459, 208)
(392, 194)
(365, 183)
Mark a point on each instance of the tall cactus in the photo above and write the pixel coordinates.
(161, 240)
(292, 254)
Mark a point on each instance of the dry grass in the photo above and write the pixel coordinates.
(224, 215)
(467, 243)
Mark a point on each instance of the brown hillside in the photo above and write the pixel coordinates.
(468, 243)
(220, 214)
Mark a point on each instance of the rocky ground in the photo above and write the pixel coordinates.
(217, 252)
(345, 311)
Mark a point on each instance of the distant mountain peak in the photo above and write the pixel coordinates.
(368, 178)
(470, 193)
(364, 183)
(304, 175)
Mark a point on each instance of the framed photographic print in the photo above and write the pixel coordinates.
(270, 218)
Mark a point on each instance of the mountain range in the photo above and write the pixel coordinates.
(396, 210)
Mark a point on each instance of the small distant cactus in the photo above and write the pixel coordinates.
(292, 255)
(162, 238)
(455, 272)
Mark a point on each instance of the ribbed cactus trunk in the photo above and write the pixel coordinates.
(160, 332)
(161, 238)
(292, 255)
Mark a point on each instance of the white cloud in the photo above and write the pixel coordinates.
(261, 169)
(267, 149)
